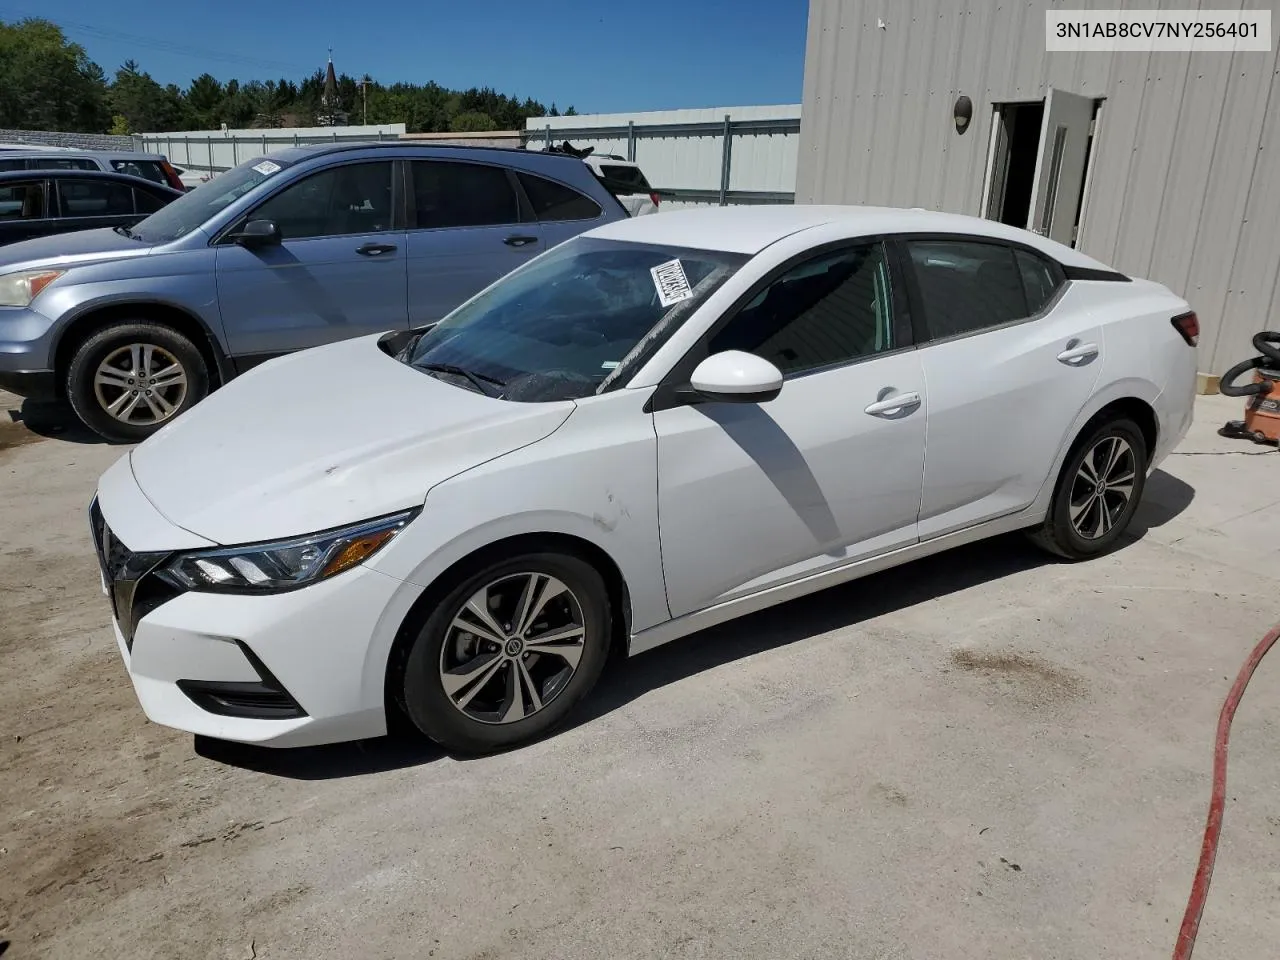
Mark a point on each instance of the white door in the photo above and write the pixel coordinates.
(753, 495)
(1009, 363)
(1060, 166)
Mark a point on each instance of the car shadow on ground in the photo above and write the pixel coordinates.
(51, 420)
(626, 680)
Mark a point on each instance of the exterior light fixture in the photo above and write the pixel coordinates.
(963, 113)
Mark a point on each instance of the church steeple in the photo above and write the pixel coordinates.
(330, 112)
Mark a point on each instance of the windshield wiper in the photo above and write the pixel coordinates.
(477, 380)
(124, 232)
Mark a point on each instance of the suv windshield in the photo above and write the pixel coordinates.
(572, 322)
(195, 207)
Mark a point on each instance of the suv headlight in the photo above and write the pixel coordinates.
(19, 289)
(285, 564)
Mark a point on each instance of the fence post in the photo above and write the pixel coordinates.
(548, 140)
(631, 140)
(235, 152)
(264, 144)
(210, 139)
(725, 159)
(295, 139)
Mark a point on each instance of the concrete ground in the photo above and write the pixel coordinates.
(985, 754)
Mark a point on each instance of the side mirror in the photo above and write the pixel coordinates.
(733, 376)
(256, 233)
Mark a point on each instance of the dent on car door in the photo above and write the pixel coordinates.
(466, 231)
(1009, 361)
(338, 272)
(754, 495)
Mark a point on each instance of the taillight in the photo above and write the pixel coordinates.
(654, 198)
(1188, 324)
(171, 175)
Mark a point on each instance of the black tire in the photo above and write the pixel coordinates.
(430, 708)
(115, 340)
(1058, 534)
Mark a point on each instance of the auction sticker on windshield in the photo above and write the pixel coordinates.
(671, 283)
(267, 167)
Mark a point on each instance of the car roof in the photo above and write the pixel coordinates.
(63, 153)
(750, 228)
(307, 151)
(7, 176)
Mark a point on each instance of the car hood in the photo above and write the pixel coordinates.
(77, 247)
(323, 438)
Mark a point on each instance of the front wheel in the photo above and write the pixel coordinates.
(1097, 493)
(508, 652)
(129, 379)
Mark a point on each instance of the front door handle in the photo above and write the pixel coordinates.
(519, 241)
(1078, 354)
(899, 405)
(375, 249)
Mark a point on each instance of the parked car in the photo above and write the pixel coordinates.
(149, 166)
(298, 249)
(658, 426)
(38, 203)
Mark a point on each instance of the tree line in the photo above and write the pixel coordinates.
(49, 83)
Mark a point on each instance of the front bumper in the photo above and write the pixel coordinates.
(290, 669)
(26, 353)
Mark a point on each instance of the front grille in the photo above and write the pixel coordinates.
(131, 584)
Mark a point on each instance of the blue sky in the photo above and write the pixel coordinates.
(600, 56)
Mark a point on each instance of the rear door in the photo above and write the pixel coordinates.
(26, 210)
(91, 204)
(1009, 364)
(339, 271)
(466, 229)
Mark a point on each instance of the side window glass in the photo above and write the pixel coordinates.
(10, 163)
(146, 202)
(1040, 279)
(833, 309)
(966, 286)
(351, 199)
(63, 163)
(95, 198)
(22, 201)
(146, 169)
(451, 194)
(554, 201)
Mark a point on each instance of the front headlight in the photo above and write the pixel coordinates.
(285, 564)
(19, 289)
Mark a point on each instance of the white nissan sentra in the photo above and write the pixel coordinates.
(658, 426)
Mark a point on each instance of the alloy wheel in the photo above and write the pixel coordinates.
(140, 384)
(512, 648)
(1102, 487)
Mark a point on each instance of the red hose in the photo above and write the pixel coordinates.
(1217, 800)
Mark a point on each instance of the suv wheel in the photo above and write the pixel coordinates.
(129, 379)
(1097, 493)
(508, 652)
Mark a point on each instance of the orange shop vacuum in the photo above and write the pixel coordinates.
(1261, 422)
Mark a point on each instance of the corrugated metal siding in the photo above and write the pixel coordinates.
(1184, 187)
(759, 161)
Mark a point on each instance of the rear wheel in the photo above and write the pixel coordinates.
(508, 653)
(129, 379)
(1097, 493)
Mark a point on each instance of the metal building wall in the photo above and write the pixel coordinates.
(760, 162)
(1185, 185)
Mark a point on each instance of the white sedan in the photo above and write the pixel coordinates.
(655, 427)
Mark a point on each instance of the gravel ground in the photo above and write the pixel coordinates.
(983, 754)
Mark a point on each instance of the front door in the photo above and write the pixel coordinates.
(339, 271)
(1060, 165)
(1009, 362)
(750, 496)
(466, 232)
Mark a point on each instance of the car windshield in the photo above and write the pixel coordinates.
(195, 207)
(572, 322)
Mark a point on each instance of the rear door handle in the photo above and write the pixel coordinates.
(1078, 354)
(375, 249)
(900, 404)
(519, 241)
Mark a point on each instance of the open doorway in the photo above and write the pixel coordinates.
(1038, 164)
(1014, 163)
